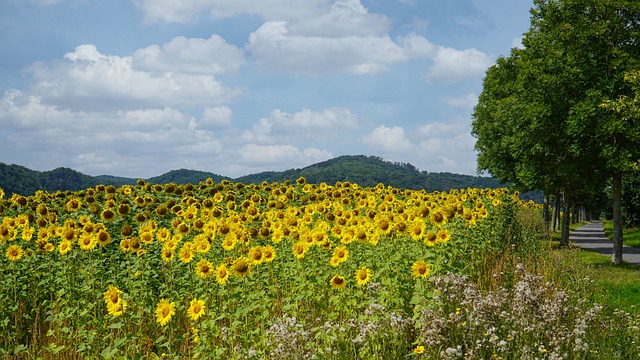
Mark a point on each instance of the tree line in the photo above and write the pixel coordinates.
(560, 113)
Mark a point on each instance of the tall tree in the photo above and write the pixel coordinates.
(623, 149)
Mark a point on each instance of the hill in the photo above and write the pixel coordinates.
(360, 169)
(372, 170)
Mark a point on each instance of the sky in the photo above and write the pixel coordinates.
(137, 88)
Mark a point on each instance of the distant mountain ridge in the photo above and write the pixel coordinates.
(360, 169)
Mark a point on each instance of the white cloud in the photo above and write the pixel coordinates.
(448, 146)
(254, 153)
(328, 119)
(190, 55)
(128, 143)
(451, 64)
(215, 117)
(388, 139)
(305, 124)
(344, 18)
(274, 48)
(442, 129)
(259, 132)
(189, 10)
(320, 37)
(86, 78)
(467, 101)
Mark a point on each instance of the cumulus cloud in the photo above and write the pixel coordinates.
(274, 48)
(451, 64)
(447, 145)
(388, 139)
(344, 18)
(189, 10)
(152, 139)
(319, 37)
(306, 123)
(215, 117)
(88, 78)
(467, 101)
(190, 55)
(254, 153)
(336, 118)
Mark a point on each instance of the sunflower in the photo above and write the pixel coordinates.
(241, 267)
(204, 268)
(87, 242)
(383, 225)
(256, 256)
(299, 250)
(196, 309)
(340, 253)
(416, 229)
(14, 253)
(125, 245)
(65, 246)
(186, 253)
(112, 295)
(268, 253)
(338, 282)
(103, 238)
(124, 209)
(73, 205)
(163, 234)
(126, 231)
(222, 274)
(118, 308)
(443, 236)
(27, 233)
(166, 253)
(438, 217)
(68, 234)
(363, 275)
(430, 239)
(164, 311)
(107, 215)
(420, 269)
(229, 242)
(146, 237)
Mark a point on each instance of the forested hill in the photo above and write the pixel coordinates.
(372, 170)
(360, 169)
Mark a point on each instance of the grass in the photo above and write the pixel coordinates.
(631, 236)
(617, 287)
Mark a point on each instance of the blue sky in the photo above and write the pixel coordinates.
(139, 87)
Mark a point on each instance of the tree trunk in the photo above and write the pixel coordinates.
(556, 211)
(566, 220)
(546, 213)
(617, 218)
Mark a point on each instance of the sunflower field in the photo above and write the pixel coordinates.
(232, 270)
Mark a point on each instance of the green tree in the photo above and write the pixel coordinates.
(622, 149)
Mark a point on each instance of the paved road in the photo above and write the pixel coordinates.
(591, 237)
